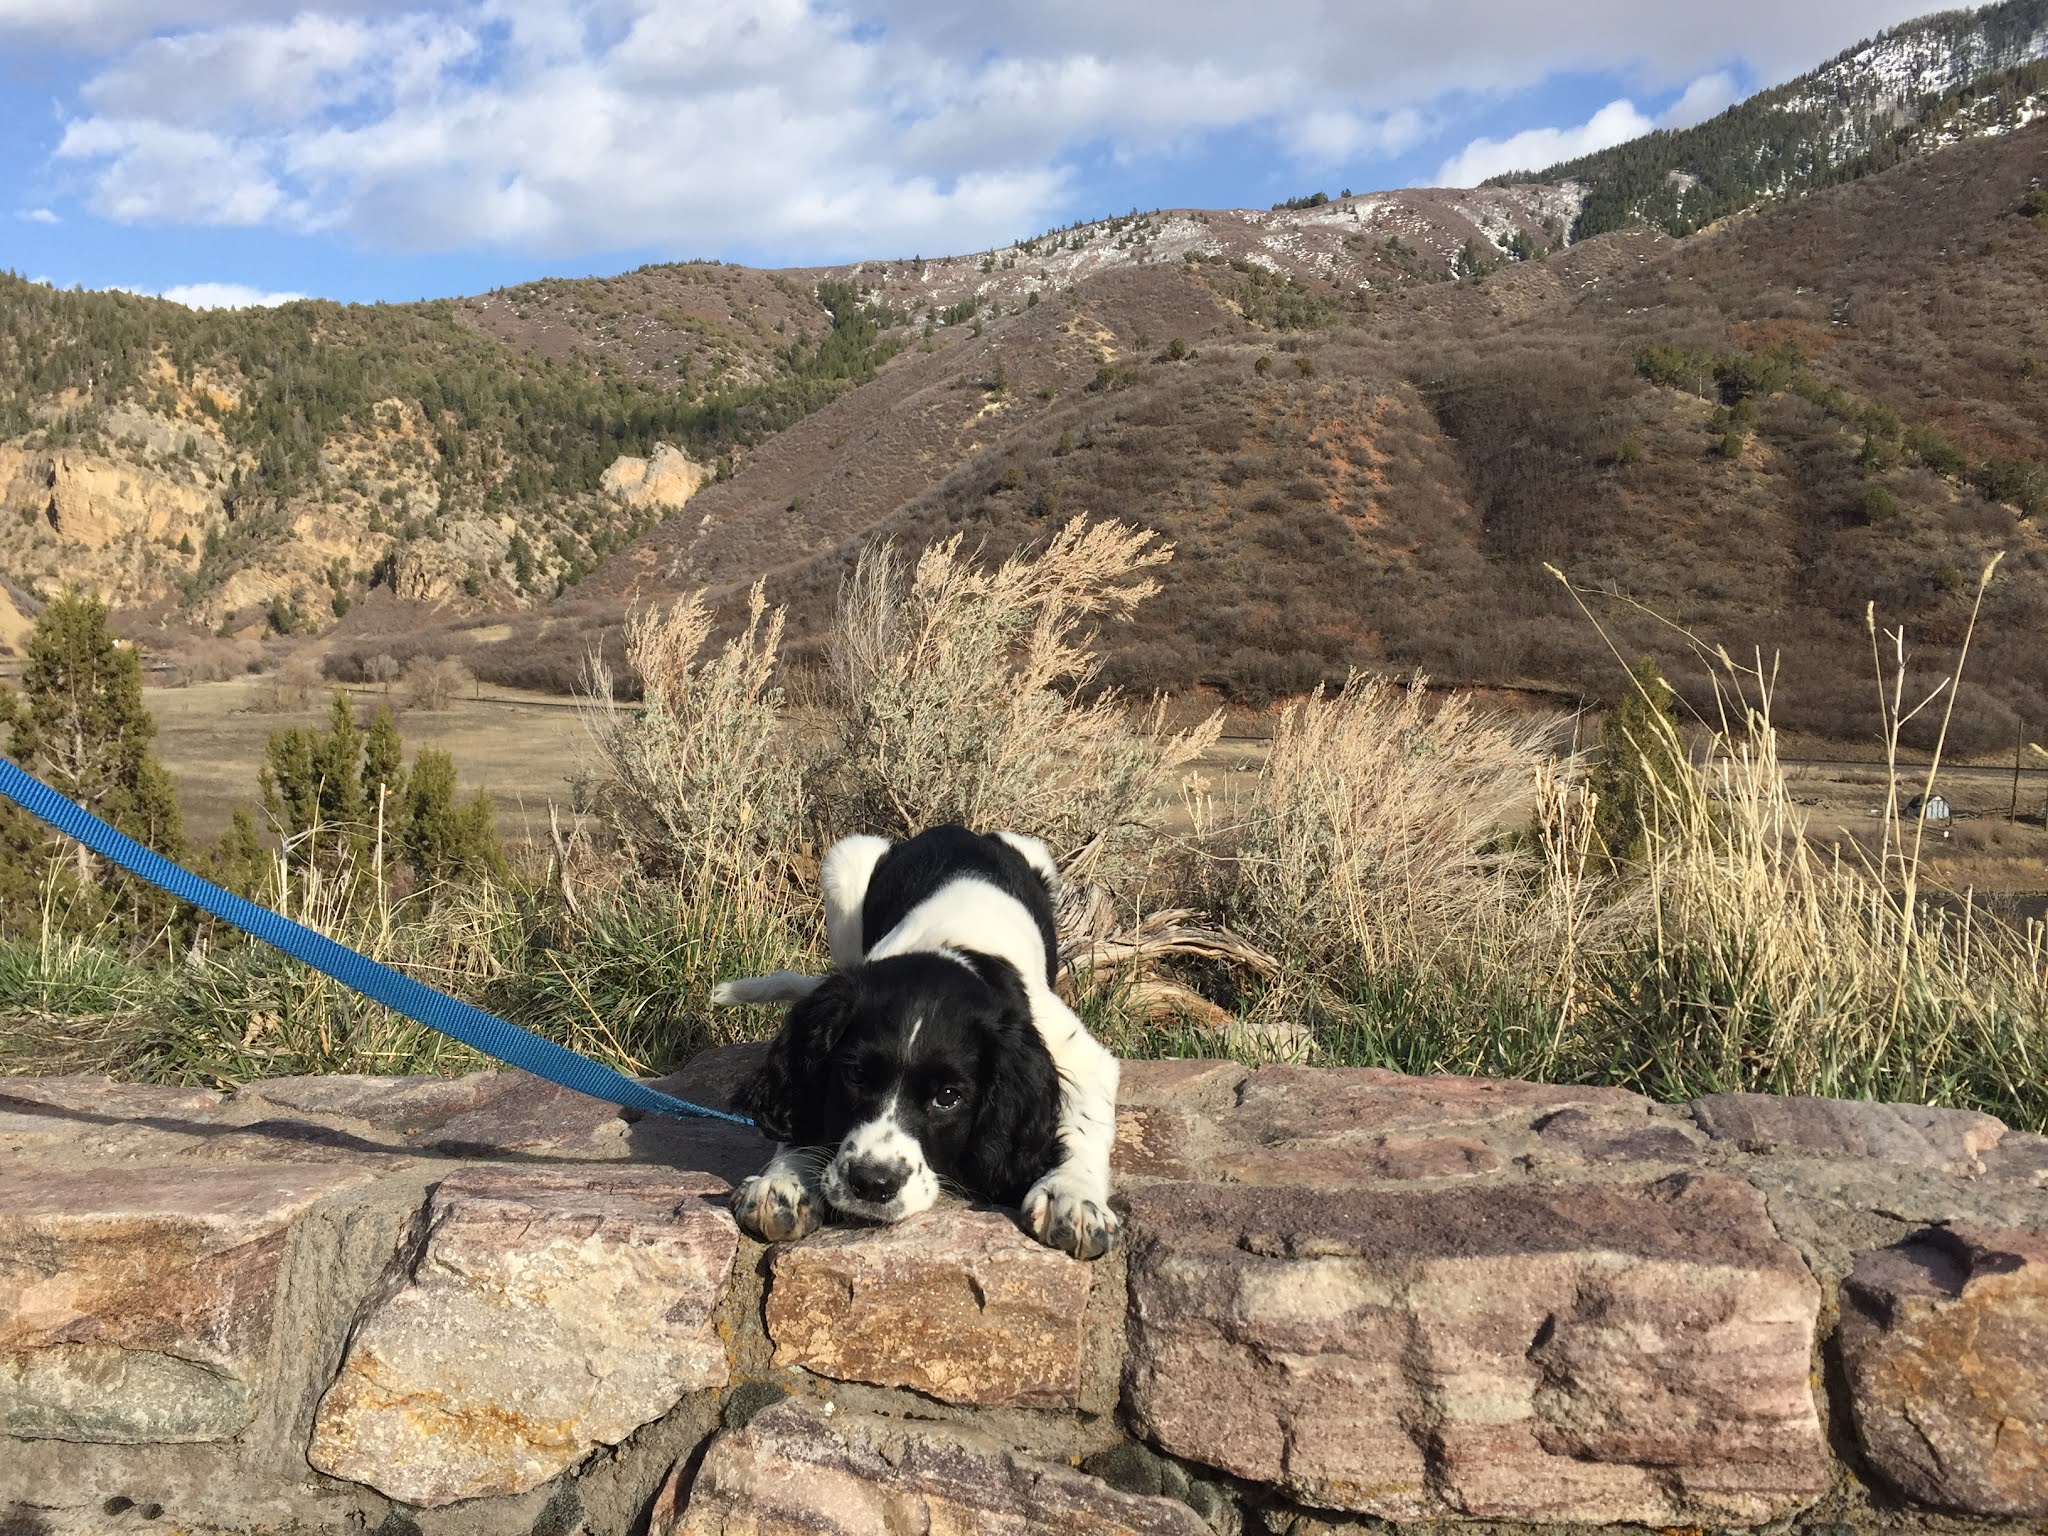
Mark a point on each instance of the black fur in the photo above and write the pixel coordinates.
(919, 868)
(915, 1028)
(848, 1049)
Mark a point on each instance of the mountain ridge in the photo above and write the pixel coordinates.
(1939, 79)
(1367, 422)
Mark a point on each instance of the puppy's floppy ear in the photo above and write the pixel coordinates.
(1016, 1123)
(786, 1096)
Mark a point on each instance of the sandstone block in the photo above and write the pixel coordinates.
(802, 1467)
(1916, 1135)
(140, 1307)
(958, 1304)
(712, 1076)
(1578, 1137)
(1583, 1353)
(1381, 1160)
(1945, 1344)
(535, 1314)
(1345, 1103)
(103, 1098)
(402, 1105)
(1178, 1081)
(531, 1115)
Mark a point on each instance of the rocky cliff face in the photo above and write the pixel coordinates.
(485, 1305)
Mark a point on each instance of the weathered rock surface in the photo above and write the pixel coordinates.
(960, 1305)
(1596, 1352)
(1945, 1344)
(141, 1307)
(539, 1313)
(1916, 1135)
(802, 1467)
(666, 478)
(1353, 1291)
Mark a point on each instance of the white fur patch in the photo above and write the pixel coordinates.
(844, 872)
(967, 913)
(776, 987)
(882, 1144)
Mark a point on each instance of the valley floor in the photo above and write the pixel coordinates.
(519, 748)
(523, 750)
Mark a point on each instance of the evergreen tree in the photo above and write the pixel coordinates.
(238, 861)
(443, 842)
(321, 791)
(79, 724)
(383, 766)
(1640, 755)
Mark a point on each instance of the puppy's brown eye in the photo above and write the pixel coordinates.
(946, 1098)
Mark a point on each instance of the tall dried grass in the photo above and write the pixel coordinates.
(225, 1009)
(962, 694)
(700, 784)
(1764, 962)
(1429, 879)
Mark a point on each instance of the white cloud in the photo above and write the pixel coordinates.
(1535, 148)
(40, 216)
(1704, 98)
(835, 127)
(219, 296)
(1332, 138)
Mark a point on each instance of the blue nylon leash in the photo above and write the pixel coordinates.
(481, 1031)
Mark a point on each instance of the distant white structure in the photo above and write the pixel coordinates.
(1932, 809)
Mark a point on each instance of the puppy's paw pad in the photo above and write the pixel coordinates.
(776, 1208)
(1072, 1223)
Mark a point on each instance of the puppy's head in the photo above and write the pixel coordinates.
(911, 1074)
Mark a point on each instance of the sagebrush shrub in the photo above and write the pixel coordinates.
(962, 694)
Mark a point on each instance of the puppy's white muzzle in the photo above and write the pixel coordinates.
(880, 1172)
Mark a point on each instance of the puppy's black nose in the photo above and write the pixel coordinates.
(876, 1183)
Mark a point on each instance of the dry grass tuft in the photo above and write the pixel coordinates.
(961, 695)
(699, 784)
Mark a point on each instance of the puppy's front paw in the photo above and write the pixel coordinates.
(777, 1207)
(1061, 1216)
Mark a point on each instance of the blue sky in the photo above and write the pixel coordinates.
(397, 149)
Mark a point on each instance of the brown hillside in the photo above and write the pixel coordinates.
(1388, 491)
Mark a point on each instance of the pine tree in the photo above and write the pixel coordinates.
(383, 765)
(439, 840)
(1640, 755)
(79, 724)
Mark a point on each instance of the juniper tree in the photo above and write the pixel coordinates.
(79, 724)
(1640, 755)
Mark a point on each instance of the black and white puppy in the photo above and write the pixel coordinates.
(935, 1055)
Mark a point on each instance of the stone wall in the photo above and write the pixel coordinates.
(486, 1305)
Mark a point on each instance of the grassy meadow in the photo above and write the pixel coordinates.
(1400, 877)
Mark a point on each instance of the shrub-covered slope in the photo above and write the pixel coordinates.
(1756, 431)
(1939, 80)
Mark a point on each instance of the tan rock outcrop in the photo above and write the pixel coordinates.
(960, 1305)
(1587, 1353)
(90, 502)
(1945, 1344)
(537, 1314)
(806, 1467)
(666, 478)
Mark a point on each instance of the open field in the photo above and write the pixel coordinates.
(521, 750)
(524, 748)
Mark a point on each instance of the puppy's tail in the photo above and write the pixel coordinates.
(778, 987)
